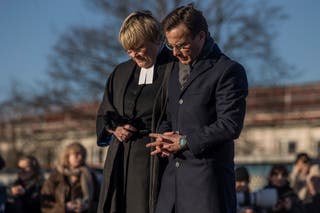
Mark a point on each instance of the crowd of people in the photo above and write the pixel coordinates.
(297, 191)
(71, 187)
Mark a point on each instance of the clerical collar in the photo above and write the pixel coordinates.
(146, 75)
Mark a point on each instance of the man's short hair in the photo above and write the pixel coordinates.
(192, 18)
(279, 168)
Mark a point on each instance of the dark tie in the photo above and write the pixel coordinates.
(184, 72)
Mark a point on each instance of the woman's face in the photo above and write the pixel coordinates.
(25, 172)
(145, 55)
(75, 159)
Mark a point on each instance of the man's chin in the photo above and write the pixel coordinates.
(184, 60)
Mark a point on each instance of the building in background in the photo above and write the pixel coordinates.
(280, 122)
(46, 136)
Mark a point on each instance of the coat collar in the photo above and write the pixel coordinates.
(209, 51)
(129, 70)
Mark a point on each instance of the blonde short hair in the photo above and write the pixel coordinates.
(138, 27)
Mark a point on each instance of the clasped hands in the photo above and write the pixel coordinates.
(123, 133)
(77, 206)
(165, 144)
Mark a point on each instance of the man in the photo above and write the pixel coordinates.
(242, 187)
(205, 113)
(242, 179)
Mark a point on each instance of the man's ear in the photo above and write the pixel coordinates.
(202, 35)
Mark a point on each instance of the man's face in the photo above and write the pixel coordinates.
(25, 170)
(145, 55)
(184, 46)
(242, 186)
(278, 178)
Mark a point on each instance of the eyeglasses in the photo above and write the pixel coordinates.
(183, 46)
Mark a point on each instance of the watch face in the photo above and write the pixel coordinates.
(182, 141)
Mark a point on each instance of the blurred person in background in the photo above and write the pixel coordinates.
(242, 186)
(24, 194)
(288, 200)
(312, 205)
(302, 172)
(242, 179)
(72, 186)
(133, 105)
(299, 174)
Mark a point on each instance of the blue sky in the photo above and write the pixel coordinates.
(29, 29)
(298, 38)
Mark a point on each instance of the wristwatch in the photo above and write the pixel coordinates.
(183, 142)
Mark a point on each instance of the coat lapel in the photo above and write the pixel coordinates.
(126, 74)
(212, 51)
(198, 69)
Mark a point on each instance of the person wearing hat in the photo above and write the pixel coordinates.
(242, 179)
(242, 186)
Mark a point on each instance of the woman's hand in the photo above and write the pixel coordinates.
(123, 133)
(71, 206)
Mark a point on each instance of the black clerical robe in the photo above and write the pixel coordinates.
(131, 176)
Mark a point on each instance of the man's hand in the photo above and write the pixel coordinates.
(17, 190)
(165, 143)
(123, 133)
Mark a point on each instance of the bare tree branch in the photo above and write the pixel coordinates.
(82, 57)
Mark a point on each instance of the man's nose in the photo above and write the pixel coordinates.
(176, 51)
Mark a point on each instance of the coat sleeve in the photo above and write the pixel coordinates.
(229, 97)
(103, 137)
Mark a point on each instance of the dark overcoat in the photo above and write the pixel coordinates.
(113, 101)
(210, 112)
(29, 201)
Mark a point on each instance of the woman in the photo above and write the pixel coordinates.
(133, 105)
(24, 193)
(71, 187)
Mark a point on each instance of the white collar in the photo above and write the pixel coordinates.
(146, 75)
